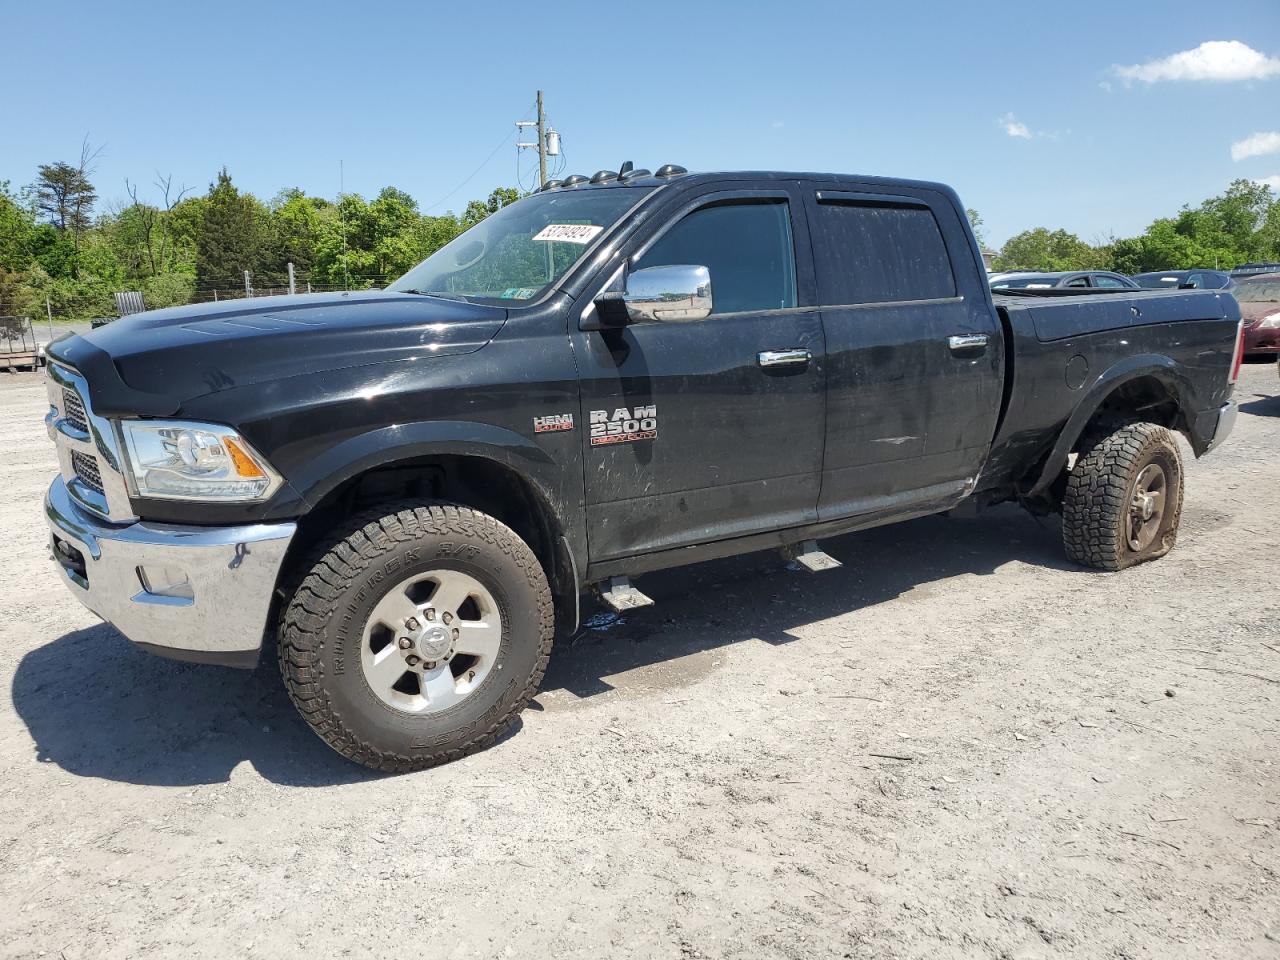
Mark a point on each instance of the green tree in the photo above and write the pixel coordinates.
(477, 210)
(1044, 249)
(975, 224)
(1242, 224)
(228, 240)
(295, 228)
(65, 195)
(17, 223)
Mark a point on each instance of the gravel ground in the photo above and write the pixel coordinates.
(1085, 762)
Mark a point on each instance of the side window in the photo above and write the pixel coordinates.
(746, 246)
(1077, 282)
(1111, 283)
(875, 252)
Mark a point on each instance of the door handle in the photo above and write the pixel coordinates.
(783, 358)
(968, 343)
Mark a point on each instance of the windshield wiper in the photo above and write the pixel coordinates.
(444, 295)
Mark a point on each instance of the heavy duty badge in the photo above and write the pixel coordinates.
(623, 425)
(552, 423)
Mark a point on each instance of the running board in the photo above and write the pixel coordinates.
(620, 596)
(810, 557)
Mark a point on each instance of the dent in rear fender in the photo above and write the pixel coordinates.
(1129, 369)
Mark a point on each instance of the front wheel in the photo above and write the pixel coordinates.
(1124, 498)
(416, 638)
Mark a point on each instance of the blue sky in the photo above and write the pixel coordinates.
(418, 95)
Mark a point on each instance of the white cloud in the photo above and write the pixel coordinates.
(1215, 60)
(1257, 145)
(1273, 182)
(1015, 127)
(777, 124)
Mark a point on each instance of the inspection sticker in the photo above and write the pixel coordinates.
(568, 232)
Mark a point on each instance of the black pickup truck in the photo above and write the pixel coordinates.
(405, 492)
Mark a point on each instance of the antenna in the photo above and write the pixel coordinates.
(342, 218)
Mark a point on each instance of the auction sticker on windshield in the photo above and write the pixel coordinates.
(569, 232)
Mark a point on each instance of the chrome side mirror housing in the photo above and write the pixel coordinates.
(677, 293)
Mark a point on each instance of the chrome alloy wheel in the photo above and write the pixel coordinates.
(431, 641)
(1146, 507)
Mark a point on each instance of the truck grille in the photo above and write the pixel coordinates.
(86, 468)
(89, 456)
(73, 408)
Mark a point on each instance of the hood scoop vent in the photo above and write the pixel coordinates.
(228, 326)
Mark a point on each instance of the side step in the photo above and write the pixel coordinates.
(620, 596)
(810, 557)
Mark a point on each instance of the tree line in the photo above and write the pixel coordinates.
(57, 245)
(1241, 225)
(177, 248)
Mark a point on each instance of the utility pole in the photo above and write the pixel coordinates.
(293, 284)
(248, 285)
(548, 140)
(542, 143)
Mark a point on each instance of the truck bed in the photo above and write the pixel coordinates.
(1064, 348)
(1060, 314)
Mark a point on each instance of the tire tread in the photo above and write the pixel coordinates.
(1096, 498)
(329, 569)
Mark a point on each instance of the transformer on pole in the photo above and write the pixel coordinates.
(547, 143)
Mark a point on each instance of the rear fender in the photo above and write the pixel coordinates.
(1155, 366)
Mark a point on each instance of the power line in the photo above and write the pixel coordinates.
(493, 153)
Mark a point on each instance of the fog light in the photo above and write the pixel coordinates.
(168, 582)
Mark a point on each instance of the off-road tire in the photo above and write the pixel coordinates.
(322, 626)
(1100, 489)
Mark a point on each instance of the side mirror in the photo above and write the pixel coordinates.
(671, 294)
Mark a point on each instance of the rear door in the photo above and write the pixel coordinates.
(914, 354)
(710, 429)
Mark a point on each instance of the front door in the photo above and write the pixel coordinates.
(914, 355)
(711, 429)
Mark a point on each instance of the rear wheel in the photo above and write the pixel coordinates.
(1124, 498)
(416, 638)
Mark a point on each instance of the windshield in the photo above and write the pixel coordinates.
(515, 254)
(1258, 292)
(1157, 280)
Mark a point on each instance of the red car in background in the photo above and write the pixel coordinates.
(1259, 299)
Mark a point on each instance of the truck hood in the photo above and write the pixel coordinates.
(150, 363)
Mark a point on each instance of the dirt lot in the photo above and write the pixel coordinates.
(1092, 766)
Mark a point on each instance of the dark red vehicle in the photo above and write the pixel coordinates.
(1259, 299)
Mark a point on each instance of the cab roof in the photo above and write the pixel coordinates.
(670, 174)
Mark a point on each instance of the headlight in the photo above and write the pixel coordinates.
(177, 460)
(1271, 321)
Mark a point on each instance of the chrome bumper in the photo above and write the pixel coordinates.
(1226, 423)
(192, 593)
